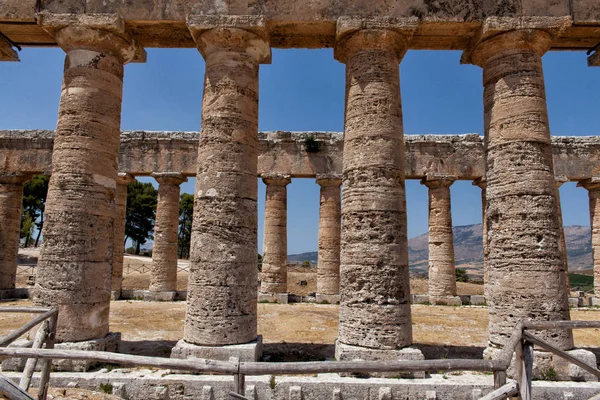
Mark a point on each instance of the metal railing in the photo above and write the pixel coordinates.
(521, 342)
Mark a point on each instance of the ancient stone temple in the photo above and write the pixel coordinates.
(361, 173)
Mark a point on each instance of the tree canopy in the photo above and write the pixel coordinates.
(186, 208)
(35, 192)
(141, 212)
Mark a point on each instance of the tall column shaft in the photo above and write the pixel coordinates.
(481, 183)
(11, 207)
(593, 187)
(163, 276)
(526, 266)
(274, 265)
(74, 271)
(222, 295)
(563, 240)
(374, 285)
(442, 272)
(119, 232)
(328, 270)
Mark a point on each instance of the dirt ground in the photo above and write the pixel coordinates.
(307, 323)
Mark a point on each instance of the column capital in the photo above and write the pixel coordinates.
(591, 184)
(329, 179)
(481, 182)
(501, 34)
(124, 178)
(354, 34)
(244, 33)
(7, 53)
(95, 32)
(15, 178)
(276, 179)
(435, 181)
(169, 178)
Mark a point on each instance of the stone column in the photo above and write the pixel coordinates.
(442, 272)
(11, 207)
(74, 271)
(481, 183)
(375, 316)
(526, 266)
(273, 282)
(123, 180)
(328, 270)
(222, 290)
(559, 180)
(593, 187)
(163, 276)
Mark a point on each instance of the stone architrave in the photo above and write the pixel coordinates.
(442, 272)
(328, 269)
(7, 53)
(11, 207)
(222, 291)
(524, 241)
(75, 268)
(593, 187)
(375, 316)
(163, 276)
(123, 179)
(274, 265)
(480, 182)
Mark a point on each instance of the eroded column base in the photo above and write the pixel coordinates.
(328, 298)
(247, 352)
(115, 295)
(547, 366)
(346, 352)
(595, 301)
(281, 298)
(445, 301)
(108, 343)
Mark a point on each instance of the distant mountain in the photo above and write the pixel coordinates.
(468, 250)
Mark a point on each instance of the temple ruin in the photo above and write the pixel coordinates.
(363, 250)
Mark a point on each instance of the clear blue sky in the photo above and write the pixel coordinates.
(304, 90)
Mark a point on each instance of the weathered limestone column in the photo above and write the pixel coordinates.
(163, 276)
(221, 305)
(442, 272)
(375, 316)
(481, 183)
(526, 266)
(273, 282)
(123, 180)
(328, 269)
(11, 207)
(593, 187)
(559, 180)
(74, 271)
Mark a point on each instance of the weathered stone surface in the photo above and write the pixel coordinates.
(245, 352)
(593, 187)
(328, 269)
(11, 205)
(74, 271)
(163, 276)
(442, 272)
(374, 282)
(144, 153)
(222, 291)
(7, 53)
(481, 183)
(122, 181)
(273, 277)
(522, 223)
(559, 180)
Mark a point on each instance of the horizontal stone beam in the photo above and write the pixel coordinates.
(298, 154)
(445, 24)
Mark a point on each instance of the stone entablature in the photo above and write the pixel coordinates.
(441, 25)
(145, 152)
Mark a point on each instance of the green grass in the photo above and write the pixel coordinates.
(581, 282)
